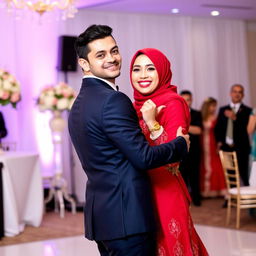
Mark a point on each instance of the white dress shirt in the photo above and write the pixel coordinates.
(104, 80)
(235, 106)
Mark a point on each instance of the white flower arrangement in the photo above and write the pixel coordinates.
(9, 89)
(60, 97)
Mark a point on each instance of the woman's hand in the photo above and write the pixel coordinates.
(149, 112)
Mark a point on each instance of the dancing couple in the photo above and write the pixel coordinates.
(136, 201)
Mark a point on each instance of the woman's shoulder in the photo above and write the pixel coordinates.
(175, 98)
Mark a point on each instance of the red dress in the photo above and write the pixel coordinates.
(212, 177)
(176, 233)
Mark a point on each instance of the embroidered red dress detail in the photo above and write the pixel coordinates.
(176, 233)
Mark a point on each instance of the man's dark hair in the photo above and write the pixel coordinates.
(186, 92)
(90, 34)
(237, 85)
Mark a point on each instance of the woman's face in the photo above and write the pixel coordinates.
(213, 108)
(144, 75)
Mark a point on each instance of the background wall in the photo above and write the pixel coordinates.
(251, 40)
(208, 55)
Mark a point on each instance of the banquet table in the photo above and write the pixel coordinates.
(22, 191)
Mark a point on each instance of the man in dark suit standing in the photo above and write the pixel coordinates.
(231, 130)
(104, 129)
(190, 166)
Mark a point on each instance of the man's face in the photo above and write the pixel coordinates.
(237, 94)
(187, 98)
(104, 60)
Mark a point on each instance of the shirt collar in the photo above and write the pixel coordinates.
(104, 80)
(236, 106)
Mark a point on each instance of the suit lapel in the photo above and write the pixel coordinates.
(240, 109)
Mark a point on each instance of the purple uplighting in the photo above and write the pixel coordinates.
(29, 52)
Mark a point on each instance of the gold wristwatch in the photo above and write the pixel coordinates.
(156, 127)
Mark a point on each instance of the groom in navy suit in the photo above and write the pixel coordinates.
(104, 129)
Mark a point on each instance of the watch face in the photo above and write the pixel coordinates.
(156, 127)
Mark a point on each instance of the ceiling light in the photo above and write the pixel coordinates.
(175, 10)
(42, 6)
(215, 13)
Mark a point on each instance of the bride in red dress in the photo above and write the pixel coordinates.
(155, 97)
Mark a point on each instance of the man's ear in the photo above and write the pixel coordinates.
(84, 64)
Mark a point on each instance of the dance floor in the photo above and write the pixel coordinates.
(219, 242)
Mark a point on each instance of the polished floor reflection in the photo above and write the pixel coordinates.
(219, 242)
(227, 242)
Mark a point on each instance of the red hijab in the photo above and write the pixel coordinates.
(165, 91)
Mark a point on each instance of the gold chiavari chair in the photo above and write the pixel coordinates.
(241, 197)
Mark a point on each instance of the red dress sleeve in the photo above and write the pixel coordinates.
(175, 114)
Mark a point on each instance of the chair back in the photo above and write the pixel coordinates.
(230, 167)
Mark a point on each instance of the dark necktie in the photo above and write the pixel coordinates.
(117, 87)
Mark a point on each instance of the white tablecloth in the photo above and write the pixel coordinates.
(23, 191)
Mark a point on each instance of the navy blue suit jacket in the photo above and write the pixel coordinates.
(115, 155)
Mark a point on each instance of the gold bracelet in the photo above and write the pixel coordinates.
(156, 127)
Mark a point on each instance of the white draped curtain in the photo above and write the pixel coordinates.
(208, 55)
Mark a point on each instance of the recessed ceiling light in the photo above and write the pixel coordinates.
(175, 10)
(215, 13)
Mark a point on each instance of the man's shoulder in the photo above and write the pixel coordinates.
(87, 81)
(225, 106)
(195, 112)
(247, 108)
(108, 94)
(118, 98)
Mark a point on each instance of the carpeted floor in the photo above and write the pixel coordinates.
(210, 213)
(52, 227)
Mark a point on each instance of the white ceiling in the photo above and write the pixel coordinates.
(240, 9)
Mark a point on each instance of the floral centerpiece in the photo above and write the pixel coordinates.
(9, 89)
(56, 98)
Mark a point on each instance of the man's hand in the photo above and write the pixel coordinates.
(185, 136)
(195, 130)
(230, 114)
(219, 145)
